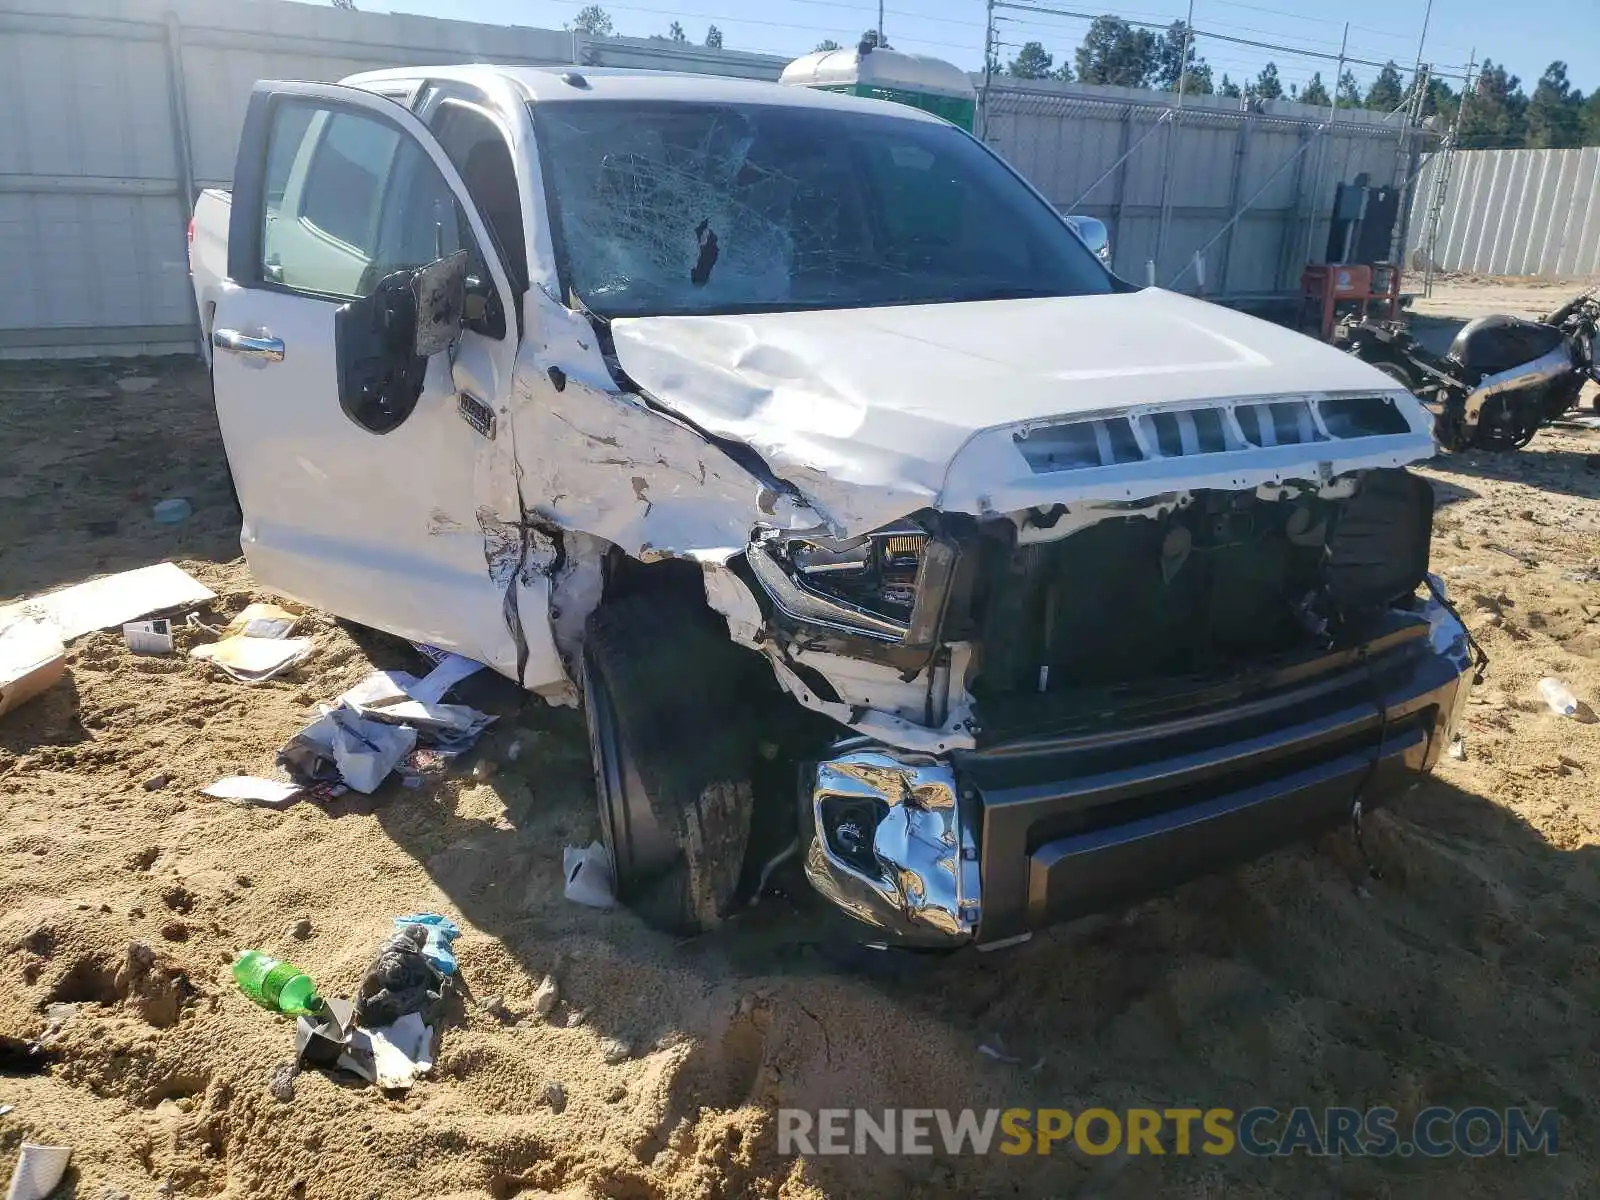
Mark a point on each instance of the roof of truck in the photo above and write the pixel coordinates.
(621, 83)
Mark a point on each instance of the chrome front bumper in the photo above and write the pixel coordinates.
(895, 846)
(988, 845)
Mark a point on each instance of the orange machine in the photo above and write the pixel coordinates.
(1325, 286)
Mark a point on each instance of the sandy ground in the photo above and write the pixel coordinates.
(1457, 296)
(1469, 974)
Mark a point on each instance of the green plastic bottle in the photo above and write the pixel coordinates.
(273, 983)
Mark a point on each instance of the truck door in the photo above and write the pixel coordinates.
(362, 450)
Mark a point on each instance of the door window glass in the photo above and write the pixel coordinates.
(344, 186)
(349, 200)
(480, 152)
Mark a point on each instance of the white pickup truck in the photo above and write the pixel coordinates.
(873, 522)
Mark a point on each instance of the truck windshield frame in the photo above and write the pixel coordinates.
(688, 208)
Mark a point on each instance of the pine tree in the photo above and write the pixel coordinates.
(1387, 89)
(1115, 52)
(1496, 113)
(1349, 95)
(1591, 119)
(1315, 92)
(593, 20)
(1267, 85)
(714, 38)
(1177, 61)
(1031, 62)
(1555, 112)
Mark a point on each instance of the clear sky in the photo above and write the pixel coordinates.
(1524, 36)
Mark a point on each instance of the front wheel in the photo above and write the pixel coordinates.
(666, 697)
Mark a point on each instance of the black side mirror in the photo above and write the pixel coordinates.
(384, 341)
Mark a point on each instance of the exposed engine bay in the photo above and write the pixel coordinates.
(1074, 600)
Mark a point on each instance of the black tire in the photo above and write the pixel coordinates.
(672, 733)
(1400, 374)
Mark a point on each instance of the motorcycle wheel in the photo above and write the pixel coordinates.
(1399, 374)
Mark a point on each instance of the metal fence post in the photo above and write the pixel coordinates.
(1119, 190)
(178, 100)
(1241, 150)
(183, 150)
(1289, 240)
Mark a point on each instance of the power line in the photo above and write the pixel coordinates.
(1327, 56)
(865, 9)
(809, 30)
(1358, 55)
(1278, 12)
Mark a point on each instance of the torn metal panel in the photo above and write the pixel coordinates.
(864, 684)
(578, 588)
(954, 733)
(874, 413)
(521, 559)
(729, 595)
(607, 464)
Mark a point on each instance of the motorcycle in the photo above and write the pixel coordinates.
(1503, 377)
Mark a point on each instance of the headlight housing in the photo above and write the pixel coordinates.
(891, 585)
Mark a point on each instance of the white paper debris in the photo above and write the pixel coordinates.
(391, 697)
(588, 875)
(149, 637)
(254, 659)
(452, 669)
(263, 621)
(391, 1056)
(39, 1171)
(366, 751)
(250, 789)
(111, 600)
(379, 688)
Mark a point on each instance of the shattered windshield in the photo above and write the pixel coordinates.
(665, 208)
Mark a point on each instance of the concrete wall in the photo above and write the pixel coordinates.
(1512, 212)
(117, 111)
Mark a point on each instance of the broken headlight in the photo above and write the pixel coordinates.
(890, 584)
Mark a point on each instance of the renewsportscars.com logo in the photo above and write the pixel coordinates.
(1260, 1132)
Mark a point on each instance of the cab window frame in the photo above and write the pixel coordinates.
(247, 254)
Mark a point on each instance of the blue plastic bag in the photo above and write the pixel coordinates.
(441, 932)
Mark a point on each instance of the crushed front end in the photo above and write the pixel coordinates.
(1057, 709)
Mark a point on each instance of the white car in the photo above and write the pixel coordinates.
(799, 440)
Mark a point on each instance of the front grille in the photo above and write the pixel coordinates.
(1112, 603)
(1210, 429)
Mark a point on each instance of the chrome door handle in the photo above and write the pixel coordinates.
(267, 349)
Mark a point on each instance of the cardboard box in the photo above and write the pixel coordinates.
(31, 659)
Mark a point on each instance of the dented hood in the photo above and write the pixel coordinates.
(866, 410)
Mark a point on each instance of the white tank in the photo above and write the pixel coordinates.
(880, 69)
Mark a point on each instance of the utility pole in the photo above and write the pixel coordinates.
(1427, 15)
(1441, 180)
(1325, 154)
(1172, 134)
(988, 73)
(880, 21)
